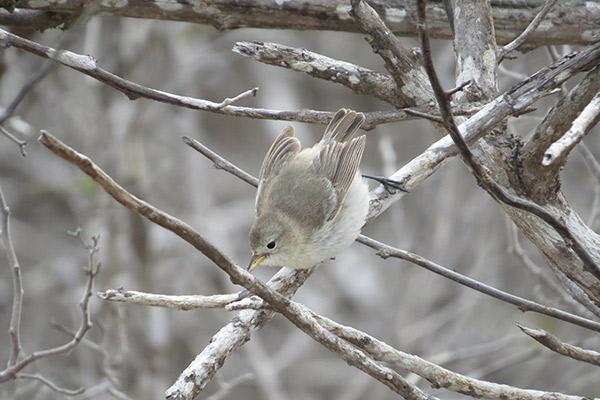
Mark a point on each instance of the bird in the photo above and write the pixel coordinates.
(311, 203)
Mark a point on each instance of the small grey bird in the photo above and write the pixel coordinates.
(311, 203)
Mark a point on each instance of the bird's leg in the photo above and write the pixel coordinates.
(389, 184)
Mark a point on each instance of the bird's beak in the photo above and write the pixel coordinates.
(256, 260)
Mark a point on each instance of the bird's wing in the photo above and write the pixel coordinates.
(338, 162)
(342, 126)
(284, 148)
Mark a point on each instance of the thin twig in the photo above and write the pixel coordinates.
(14, 329)
(226, 387)
(556, 345)
(220, 162)
(430, 117)
(11, 371)
(481, 175)
(579, 128)
(27, 87)
(451, 92)
(533, 25)
(238, 275)
(522, 304)
(51, 385)
(16, 140)
(228, 101)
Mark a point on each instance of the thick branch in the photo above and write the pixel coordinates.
(568, 350)
(360, 80)
(542, 183)
(570, 22)
(475, 50)
(406, 70)
(34, 19)
(588, 118)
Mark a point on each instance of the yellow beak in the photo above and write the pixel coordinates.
(256, 260)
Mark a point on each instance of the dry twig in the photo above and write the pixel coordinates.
(533, 25)
(16, 364)
(556, 345)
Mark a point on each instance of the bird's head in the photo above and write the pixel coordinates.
(272, 240)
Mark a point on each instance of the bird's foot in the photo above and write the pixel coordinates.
(390, 185)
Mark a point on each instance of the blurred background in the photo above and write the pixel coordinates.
(448, 219)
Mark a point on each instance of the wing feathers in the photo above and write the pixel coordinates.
(339, 162)
(337, 158)
(342, 126)
(284, 148)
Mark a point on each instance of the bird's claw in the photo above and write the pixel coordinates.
(390, 185)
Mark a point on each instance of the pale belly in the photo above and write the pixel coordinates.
(341, 232)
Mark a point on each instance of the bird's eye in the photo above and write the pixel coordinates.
(271, 245)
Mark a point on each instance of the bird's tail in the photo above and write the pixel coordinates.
(342, 126)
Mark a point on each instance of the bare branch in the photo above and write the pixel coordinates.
(481, 175)
(161, 300)
(88, 66)
(243, 95)
(556, 123)
(533, 25)
(219, 162)
(358, 79)
(568, 350)
(406, 70)
(34, 19)
(21, 143)
(27, 87)
(238, 275)
(11, 371)
(14, 329)
(589, 117)
(424, 115)
(511, 17)
(475, 49)
(51, 385)
(227, 386)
